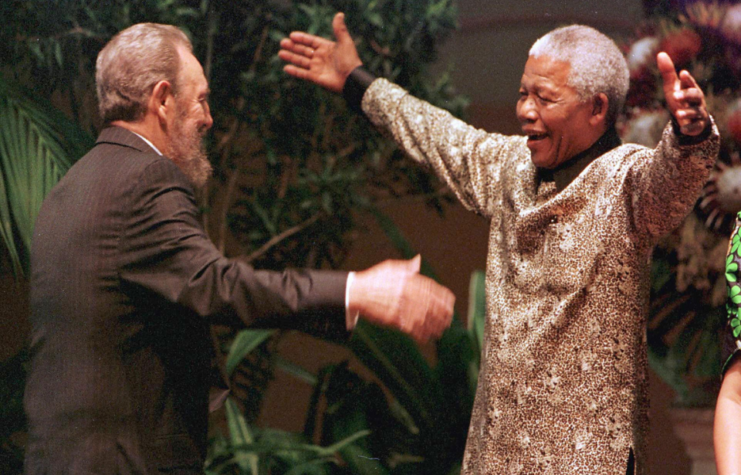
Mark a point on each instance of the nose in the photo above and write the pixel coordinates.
(208, 120)
(527, 110)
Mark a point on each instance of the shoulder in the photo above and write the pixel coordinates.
(622, 157)
(126, 153)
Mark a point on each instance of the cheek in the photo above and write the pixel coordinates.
(556, 123)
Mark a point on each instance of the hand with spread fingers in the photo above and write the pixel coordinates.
(684, 98)
(394, 294)
(321, 61)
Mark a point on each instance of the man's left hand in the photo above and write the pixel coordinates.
(394, 294)
(684, 98)
(321, 61)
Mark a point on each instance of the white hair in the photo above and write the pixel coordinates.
(130, 65)
(597, 65)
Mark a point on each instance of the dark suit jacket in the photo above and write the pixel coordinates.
(124, 287)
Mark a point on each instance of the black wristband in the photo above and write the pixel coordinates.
(691, 139)
(355, 86)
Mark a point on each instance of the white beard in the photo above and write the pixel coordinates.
(188, 152)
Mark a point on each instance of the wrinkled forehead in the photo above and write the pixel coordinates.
(544, 70)
(191, 72)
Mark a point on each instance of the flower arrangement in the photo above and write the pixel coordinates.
(688, 280)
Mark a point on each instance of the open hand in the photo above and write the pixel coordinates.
(394, 294)
(684, 98)
(321, 61)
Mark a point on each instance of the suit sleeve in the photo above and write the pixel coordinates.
(467, 159)
(666, 181)
(167, 255)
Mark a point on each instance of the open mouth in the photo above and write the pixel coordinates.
(536, 137)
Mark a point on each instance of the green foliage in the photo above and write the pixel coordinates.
(250, 450)
(293, 165)
(477, 307)
(412, 418)
(243, 344)
(37, 146)
(302, 166)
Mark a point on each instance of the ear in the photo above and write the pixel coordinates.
(600, 104)
(162, 101)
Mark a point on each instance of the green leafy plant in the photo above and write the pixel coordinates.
(251, 450)
(411, 418)
(37, 146)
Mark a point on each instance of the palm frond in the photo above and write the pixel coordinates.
(38, 144)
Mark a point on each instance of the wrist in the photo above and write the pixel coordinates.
(685, 139)
(354, 293)
(356, 83)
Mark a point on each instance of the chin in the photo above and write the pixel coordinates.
(541, 162)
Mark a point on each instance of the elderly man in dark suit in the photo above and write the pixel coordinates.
(125, 283)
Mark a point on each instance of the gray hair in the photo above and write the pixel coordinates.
(132, 63)
(597, 65)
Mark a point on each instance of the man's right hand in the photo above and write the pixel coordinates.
(321, 61)
(394, 294)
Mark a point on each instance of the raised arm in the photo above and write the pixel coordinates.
(321, 61)
(666, 181)
(684, 98)
(465, 158)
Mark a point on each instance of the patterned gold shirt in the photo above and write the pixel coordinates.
(563, 383)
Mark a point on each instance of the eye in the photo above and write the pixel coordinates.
(203, 96)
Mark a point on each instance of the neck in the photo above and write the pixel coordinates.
(565, 173)
(150, 129)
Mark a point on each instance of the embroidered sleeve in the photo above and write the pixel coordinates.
(666, 181)
(467, 159)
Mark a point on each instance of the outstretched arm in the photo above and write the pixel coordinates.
(321, 61)
(394, 294)
(666, 181)
(684, 98)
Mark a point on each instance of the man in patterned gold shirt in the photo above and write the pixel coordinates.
(574, 215)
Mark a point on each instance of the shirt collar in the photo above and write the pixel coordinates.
(565, 173)
(148, 142)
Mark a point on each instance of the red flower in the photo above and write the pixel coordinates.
(733, 125)
(682, 46)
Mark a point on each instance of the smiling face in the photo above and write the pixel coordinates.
(558, 124)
